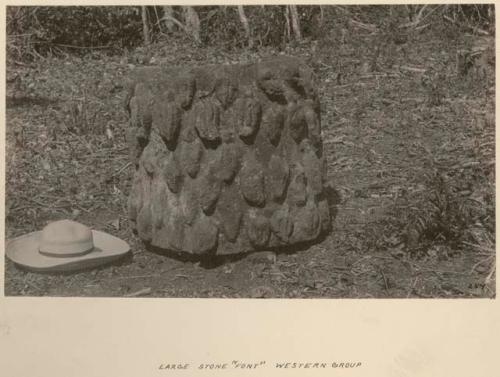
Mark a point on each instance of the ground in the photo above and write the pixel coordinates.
(409, 139)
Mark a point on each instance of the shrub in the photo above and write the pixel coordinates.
(40, 30)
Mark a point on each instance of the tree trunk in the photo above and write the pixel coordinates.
(145, 25)
(287, 24)
(192, 22)
(295, 22)
(246, 25)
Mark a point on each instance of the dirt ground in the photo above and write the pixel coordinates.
(401, 124)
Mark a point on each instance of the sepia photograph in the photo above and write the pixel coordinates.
(250, 151)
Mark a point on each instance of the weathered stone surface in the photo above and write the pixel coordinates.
(279, 77)
(278, 174)
(230, 211)
(228, 159)
(135, 145)
(307, 223)
(229, 162)
(227, 129)
(149, 160)
(324, 214)
(141, 103)
(209, 187)
(272, 122)
(252, 180)
(188, 131)
(183, 90)
(134, 113)
(226, 90)
(298, 123)
(191, 154)
(158, 198)
(189, 204)
(134, 203)
(206, 80)
(282, 224)
(248, 115)
(297, 192)
(173, 223)
(207, 120)
(305, 82)
(145, 223)
(258, 228)
(172, 173)
(313, 124)
(167, 118)
(202, 236)
(270, 84)
(312, 169)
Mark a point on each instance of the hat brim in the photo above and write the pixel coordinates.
(23, 251)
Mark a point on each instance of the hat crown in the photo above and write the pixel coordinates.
(66, 238)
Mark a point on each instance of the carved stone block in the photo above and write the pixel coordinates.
(228, 159)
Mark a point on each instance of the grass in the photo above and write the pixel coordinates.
(409, 139)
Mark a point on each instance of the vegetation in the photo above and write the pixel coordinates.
(408, 128)
(42, 30)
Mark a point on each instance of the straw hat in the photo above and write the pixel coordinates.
(65, 245)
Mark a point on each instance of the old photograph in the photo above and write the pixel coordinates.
(277, 151)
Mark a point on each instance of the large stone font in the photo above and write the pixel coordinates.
(228, 158)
